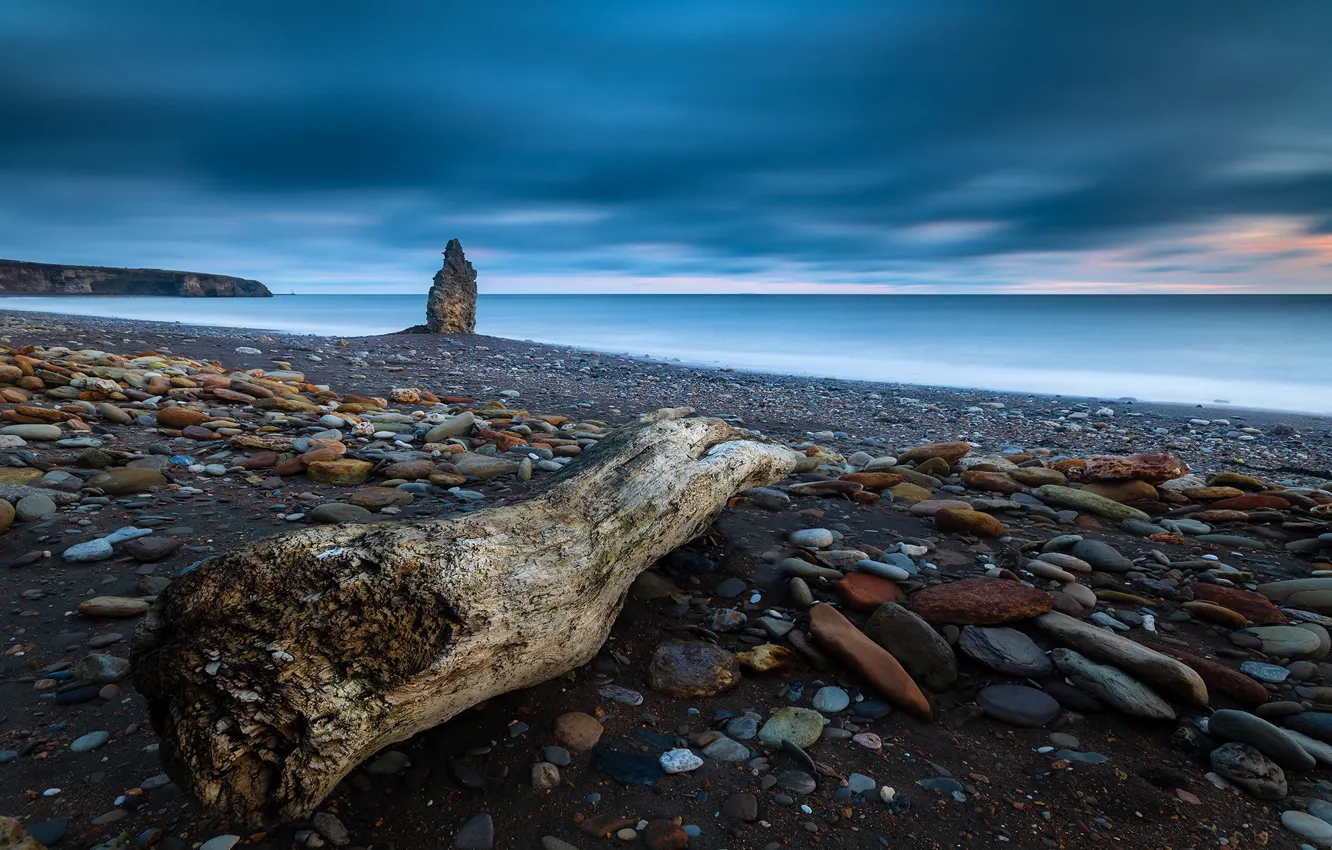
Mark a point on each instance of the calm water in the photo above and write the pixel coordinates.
(1255, 351)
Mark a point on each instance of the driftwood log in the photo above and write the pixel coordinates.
(275, 669)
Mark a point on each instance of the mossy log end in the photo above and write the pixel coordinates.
(275, 669)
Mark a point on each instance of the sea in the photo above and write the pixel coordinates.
(1258, 351)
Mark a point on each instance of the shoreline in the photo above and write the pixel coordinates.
(1170, 409)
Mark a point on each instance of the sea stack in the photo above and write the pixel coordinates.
(451, 307)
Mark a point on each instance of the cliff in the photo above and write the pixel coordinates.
(20, 278)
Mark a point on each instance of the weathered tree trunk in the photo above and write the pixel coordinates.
(272, 671)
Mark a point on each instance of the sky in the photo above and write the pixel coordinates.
(738, 146)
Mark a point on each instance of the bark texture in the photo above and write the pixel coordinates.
(273, 670)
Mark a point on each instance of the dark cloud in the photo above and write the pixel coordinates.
(858, 142)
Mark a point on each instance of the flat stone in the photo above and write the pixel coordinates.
(344, 472)
(865, 592)
(1286, 641)
(333, 513)
(1112, 686)
(1005, 650)
(980, 602)
(1018, 705)
(88, 552)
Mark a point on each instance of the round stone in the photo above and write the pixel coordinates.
(1018, 705)
(831, 700)
(692, 669)
(800, 726)
(578, 731)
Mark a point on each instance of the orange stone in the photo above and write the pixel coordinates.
(967, 521)
(980, 602)
(997, 482)
(1152, 468)
(505, 440)
(883, 672)
(865, 592)
(876, 481)
(1256, 502)
(950, 452)
(180, 417)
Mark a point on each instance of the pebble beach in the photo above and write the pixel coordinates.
(968, 618)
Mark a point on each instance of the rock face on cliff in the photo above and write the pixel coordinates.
(20, 278)
(451, 307)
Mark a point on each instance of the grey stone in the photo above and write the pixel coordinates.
(1018, 705)
(1250, 770)
(477, 834)
(91, 741)
(1101, 556)
(1005, 650)
(1231, 725)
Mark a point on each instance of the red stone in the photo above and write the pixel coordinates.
(1254, 606)
(865, 592)
(980, 602)
(883, 672)
(1256, 502)
(1219, 678)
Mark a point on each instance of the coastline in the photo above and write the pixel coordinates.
(954, 396)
